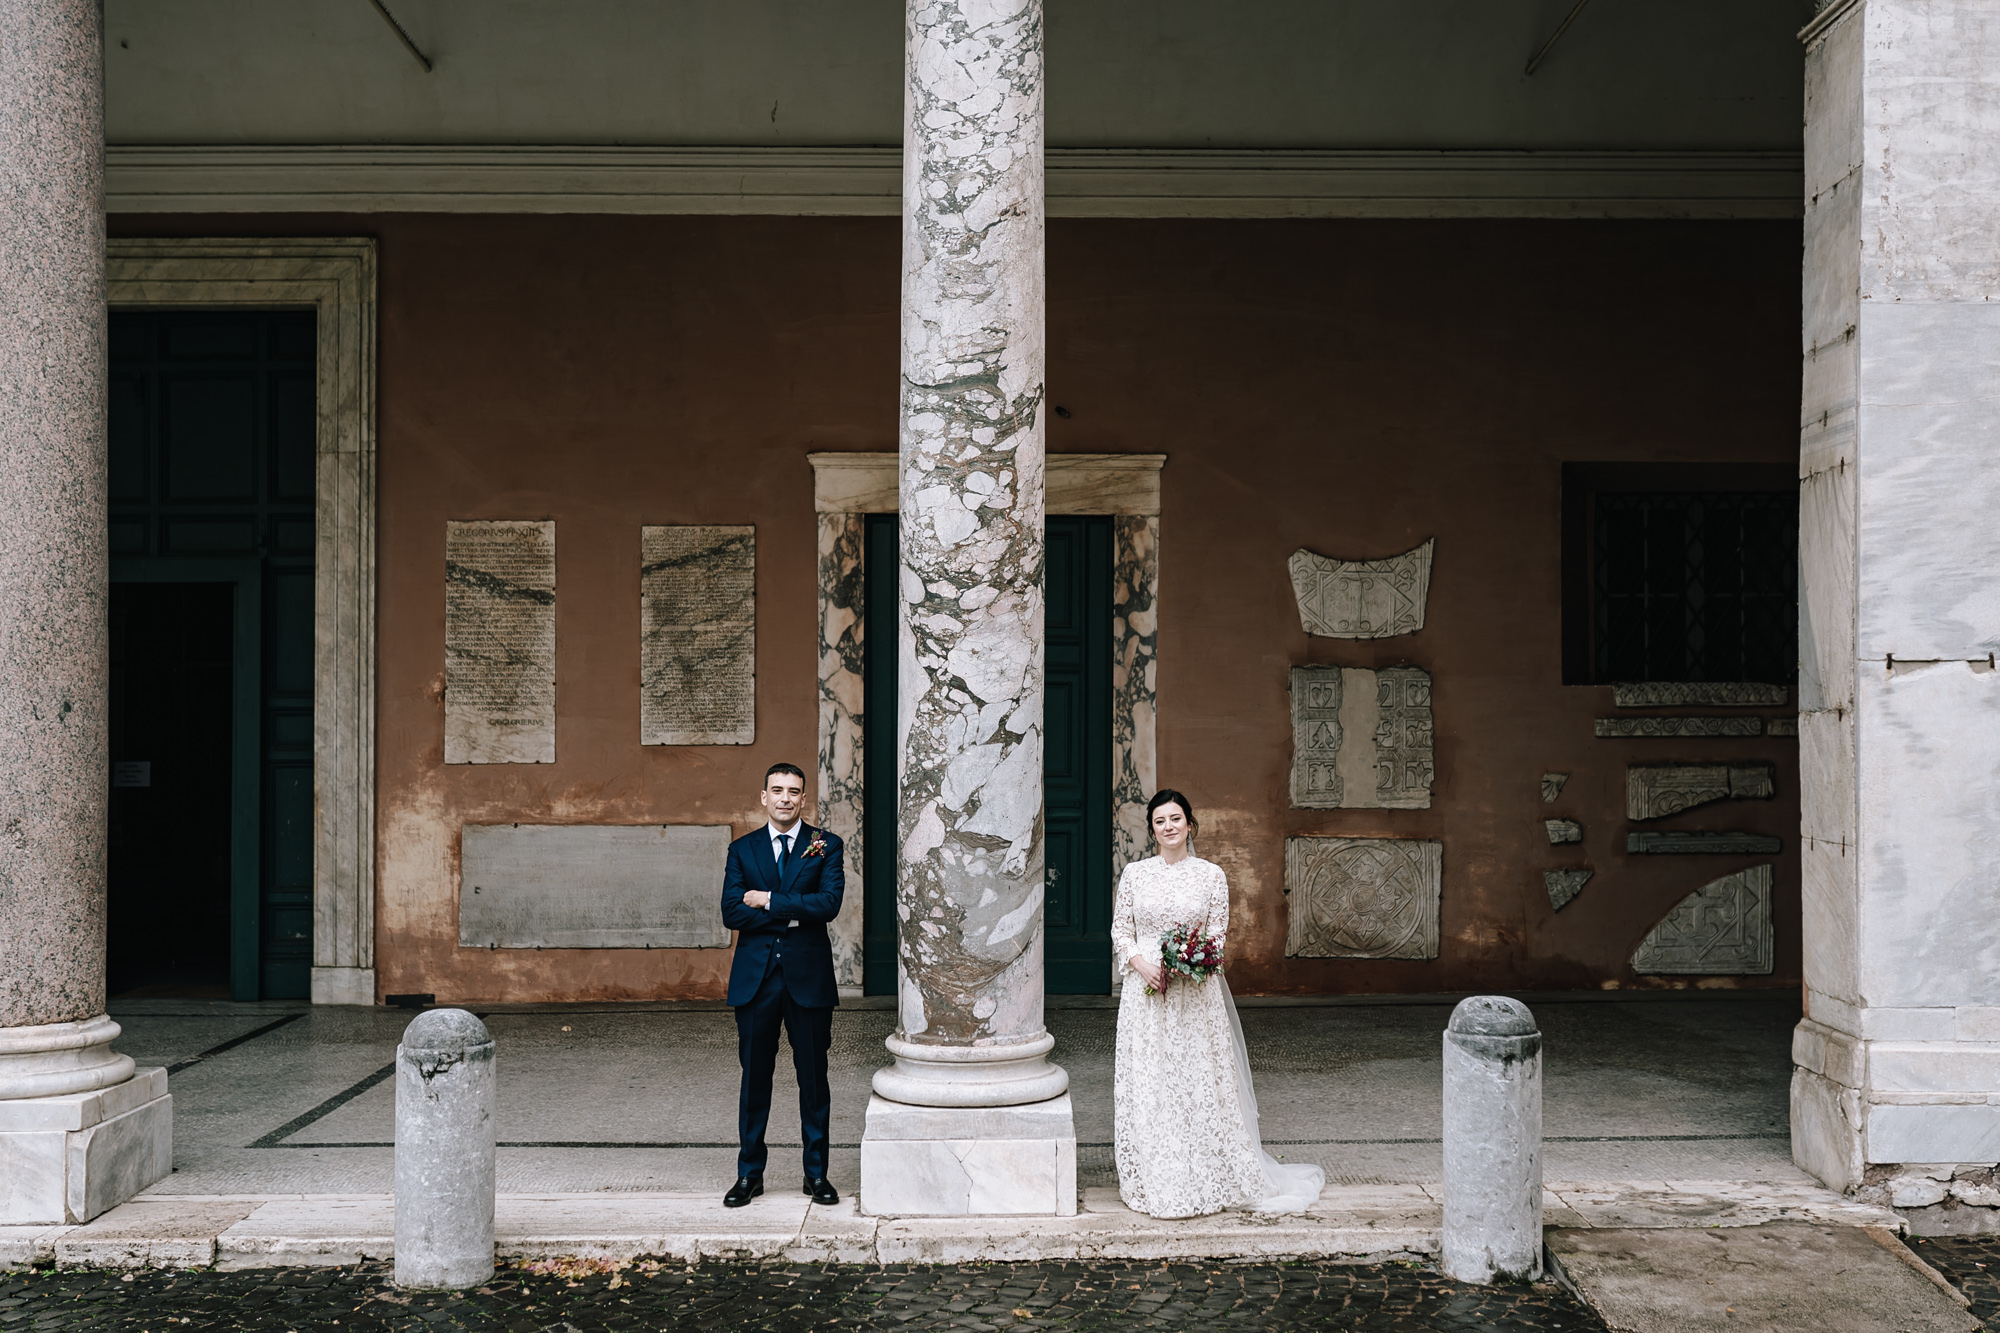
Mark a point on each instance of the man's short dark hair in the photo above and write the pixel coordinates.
(792, 769)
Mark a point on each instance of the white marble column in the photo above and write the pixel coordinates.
(1896, 1090)
(80, 1129)
(972, 1117)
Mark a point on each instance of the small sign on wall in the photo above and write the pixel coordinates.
(132, 773)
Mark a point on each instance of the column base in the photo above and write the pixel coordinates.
(961, 1161)
(343, 985)
(65, 1159)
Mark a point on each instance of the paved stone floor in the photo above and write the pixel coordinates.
(273, 1099)
(1970, 1263)
(1402, 1298)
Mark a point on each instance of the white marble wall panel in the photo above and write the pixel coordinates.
(1362, 897)
(697, 635)
(500, 642)
(842, 665)
(1135, 647)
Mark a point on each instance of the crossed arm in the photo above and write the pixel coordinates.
(754, 910)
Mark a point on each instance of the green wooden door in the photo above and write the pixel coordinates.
(1076, 765)
(212, 430)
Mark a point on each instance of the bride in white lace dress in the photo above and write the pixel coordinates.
(1187, 1138)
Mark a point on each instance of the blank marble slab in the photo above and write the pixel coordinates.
(1362, 897)
(1612, 728)
(584, 886)
(1362, 599)
(1654, 791)
(1698, 694)
(500, 642)
(698, 635)
(1721, 929)
(1702, 843)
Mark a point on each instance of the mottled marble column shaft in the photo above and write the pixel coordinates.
(53, 561)
(969, 873)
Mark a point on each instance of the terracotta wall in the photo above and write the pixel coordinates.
(1353, 387)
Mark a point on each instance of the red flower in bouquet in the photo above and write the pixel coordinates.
(1190, 951)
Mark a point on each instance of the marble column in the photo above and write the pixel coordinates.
(1896, 1090)
(80, 1129)
(972, 1117)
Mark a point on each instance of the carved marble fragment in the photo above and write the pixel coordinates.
(1782, 726)
(1362, 599)
(1361, 739)
(1698, 694)
(1701, 843)
(1552, 786)
(1563, 886)
(1562, 831)
(500, 642)
(1654, 791)
(1614, 727)
(1721, 929)
(1362, 897)
(697, 635)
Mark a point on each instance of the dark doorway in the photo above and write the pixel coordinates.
(212, 443)
(171, 727)
(1076, 764)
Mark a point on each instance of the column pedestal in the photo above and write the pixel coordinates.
(955, 1161)
(81, 1130)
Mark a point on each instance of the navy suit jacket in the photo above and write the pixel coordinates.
(810, 895)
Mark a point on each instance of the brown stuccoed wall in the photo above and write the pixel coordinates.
(1352, 387)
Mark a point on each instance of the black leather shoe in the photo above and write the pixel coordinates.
(743, 1191)
(822, 1190)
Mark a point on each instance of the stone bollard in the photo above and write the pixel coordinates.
(444, 1152)
(1492, 1141)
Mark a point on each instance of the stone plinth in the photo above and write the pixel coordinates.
(69, 1157)
(931, 1161)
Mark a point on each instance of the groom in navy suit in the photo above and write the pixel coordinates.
(781, 887)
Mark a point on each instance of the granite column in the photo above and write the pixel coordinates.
(1896, 1090)
(80, 1129)
(972, 1117)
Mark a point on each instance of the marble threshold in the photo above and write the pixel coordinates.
(1361, 1223)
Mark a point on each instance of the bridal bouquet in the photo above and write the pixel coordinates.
(1190, 951)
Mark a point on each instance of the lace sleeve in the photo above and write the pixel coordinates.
(1218, 905)
(1124, 934)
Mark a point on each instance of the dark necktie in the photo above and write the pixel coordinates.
(784, 850)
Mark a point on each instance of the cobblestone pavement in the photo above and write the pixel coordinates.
(742, 1298)
(1972, 1263)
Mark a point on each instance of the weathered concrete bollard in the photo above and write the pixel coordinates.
(1492, 1141)
(444, 1152)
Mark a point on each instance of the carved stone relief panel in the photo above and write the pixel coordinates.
(1563, 830)
(1362, 599)
(1698, 694)
(1552, 786)
(1563, 886)
(591, 886)
(1654, 791)
(1782, 726)
(1721, 929)
(1700, 843)
(1362, 897)
(500, 642)
(1616, 727)
(697, 635)
(1361, 739)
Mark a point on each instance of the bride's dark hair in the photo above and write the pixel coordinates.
(1168, 796)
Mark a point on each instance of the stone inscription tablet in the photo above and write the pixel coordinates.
(1723, 928)
(592, 886)
(1361, 739)
(500, 643)
(697, 636)
(1362, 897)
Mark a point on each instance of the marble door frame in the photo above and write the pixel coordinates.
(335, 277)
(847, 487)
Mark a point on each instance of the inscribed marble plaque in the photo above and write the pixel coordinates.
(1563, 886)
(697, 635)
(500, 643)
(1362, 897)
(1698, 694)
(592, 886)
(1701, 843)
(1361, 740)
(1654, 791)
(1723, 928)
(1670, 727)
(1362, 599)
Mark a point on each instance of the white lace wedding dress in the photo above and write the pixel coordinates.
(1187, 1133)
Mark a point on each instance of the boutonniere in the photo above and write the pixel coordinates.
(817, 847)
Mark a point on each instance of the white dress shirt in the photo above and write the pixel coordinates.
(778, 837)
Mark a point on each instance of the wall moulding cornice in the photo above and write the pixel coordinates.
(1082, 182)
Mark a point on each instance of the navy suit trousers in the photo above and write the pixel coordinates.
(810, 1031)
